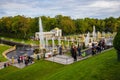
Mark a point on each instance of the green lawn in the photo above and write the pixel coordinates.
(2, 49)
(21, 40)
(38, 71)
(99, 67)
(34, 42)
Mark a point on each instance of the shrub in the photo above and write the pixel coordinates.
(116, 43)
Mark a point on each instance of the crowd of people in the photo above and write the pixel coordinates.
(99, 47)
(25, 59)
(75, 50)
(96, 48)
(6, 64)
(21, 59)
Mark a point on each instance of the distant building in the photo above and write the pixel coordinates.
(56, 32)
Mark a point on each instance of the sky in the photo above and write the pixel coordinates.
(74, 8)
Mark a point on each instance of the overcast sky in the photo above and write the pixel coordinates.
(73, 8)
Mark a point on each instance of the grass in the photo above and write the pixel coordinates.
(37, 71)
(99, 67)
(21, 40)
(34, 42)
(2, 49)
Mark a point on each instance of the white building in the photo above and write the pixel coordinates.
(56, 32)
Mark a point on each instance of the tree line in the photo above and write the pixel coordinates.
(25, 27)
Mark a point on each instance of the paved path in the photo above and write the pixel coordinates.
(21, 65)
(65, 59)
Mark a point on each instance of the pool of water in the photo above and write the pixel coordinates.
(24, 51)
(20, 51)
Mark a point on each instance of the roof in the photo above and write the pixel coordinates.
(56, 28)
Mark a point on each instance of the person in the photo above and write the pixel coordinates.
(18, 59)
(38, 57)
(72, 51)
(103, 44)
(98, 48)
(5, 65)
(13, 60)
(75, 53)
(79, 50)
(93, 50)
(26, 60)
(60, 50)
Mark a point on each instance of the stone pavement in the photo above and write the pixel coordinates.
(1, 65)
(65, 59)
(21, 65)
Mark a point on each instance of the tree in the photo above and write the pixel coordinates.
(116, 43)
(67, 25)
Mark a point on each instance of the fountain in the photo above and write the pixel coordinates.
(59, 41)
(68, 43)
(41, 40)
(65, 39)
(99, 35)
(41, 35)
(46, 43)
(53, 43)
(103, 34)
(87, 38)
(94, 33)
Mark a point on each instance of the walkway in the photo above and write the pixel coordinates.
(16, 64)
(65, 59)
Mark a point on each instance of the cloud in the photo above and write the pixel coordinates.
(73, 8)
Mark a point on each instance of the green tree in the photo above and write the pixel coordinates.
(116, 43)
(67, 25)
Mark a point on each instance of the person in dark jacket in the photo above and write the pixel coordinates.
(60, 50)
(72, 51)
(79, 50)
(75, 53)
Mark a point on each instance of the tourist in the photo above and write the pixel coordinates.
(26, 60)
(18, 59)
(103, 44)
(30, 59)
(98, 48)
(93, 50)
(75, 53)
(13, 60)
(79, 50)
(5, 65)
(60, 50)
(38, 57)
(22, 59)
(72, 51)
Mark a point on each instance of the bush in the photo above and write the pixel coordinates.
(116, 43)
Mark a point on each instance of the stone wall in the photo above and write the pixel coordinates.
(7, 51)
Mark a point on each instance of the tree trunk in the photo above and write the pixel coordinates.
(118, 55)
